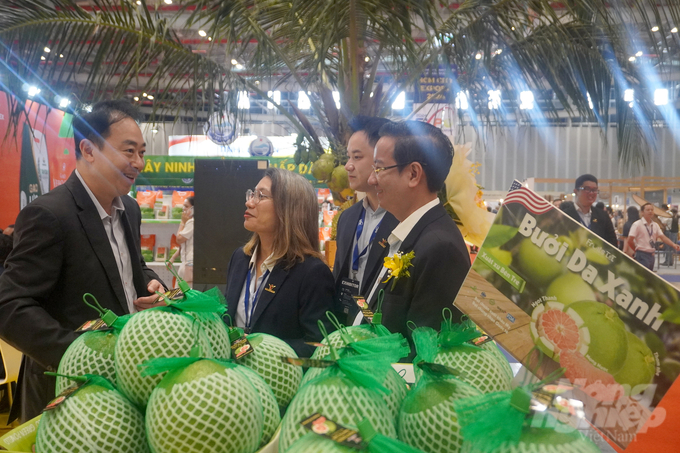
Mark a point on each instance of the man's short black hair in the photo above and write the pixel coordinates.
(369, 125)
(583, 178)
(417, 141)
(95, 125)
(600, 205)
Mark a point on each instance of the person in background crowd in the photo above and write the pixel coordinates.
(185, 239)
(362, 227)
(600, 205)
(81, 237)
(618, 227)
(557, 202)
(633, 216)
(596, 220)
(671, 233)
(278, 283)
(643, 236)
(412, 161)
(6, 245)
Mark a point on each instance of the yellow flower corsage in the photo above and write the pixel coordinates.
(397, 266)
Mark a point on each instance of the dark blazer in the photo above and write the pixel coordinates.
(299, 297)
(61, 251)
(346, 231)
(440, 265)
(600, 223)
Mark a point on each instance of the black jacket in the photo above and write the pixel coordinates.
(291, 302)
(600, 223)
(440, 265)
(346, 231)
(61, 251)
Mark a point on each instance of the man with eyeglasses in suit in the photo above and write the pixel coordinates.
(596, 220)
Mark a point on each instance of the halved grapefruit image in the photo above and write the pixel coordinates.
(554, 330)
(595, 382)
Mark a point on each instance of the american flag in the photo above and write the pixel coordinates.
(534, 203)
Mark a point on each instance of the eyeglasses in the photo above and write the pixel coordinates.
(589, 190)
(377, 170)
(256, 195)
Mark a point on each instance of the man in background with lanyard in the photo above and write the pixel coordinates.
(596, 220)
(643, 236)
(363, 228)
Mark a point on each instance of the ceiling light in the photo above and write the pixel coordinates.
(88, 108)
(64, 102)
(61, 55)
(661, 96)
(499, 51)
(202, 33)
(478, 56)
(239, 66)
(462, 101)
(513, 28)
(136, 98)
(367, 59)
(303, 101)
(629, 95)
(257, 82)
(674, 30)
(234, 62)
(336, 98)
(526, 100)
(243, 100)
(655, 28)
(168, 2)
(144, 94)
(32, 91)
(42, 58)
(149, 97)
(209, 38)
(139, 2)
(639, 53)
(276, 96)
(494, 99)
(590, 101)
(47, 49)
(155, 129)
(400, 102)
(630, 105)
(631, 59)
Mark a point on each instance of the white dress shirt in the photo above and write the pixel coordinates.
(187, 249)
(255, 285)
(585, 216)
(640, 231)
(371, 221)
(113, 224)
(395, 240)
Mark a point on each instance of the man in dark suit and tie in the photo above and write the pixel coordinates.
(363, 229)
(596, 220)
(81, 237)
(412, 160)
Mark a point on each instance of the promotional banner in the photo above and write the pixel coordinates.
(177, 172)
(555, 295)
(35, 159)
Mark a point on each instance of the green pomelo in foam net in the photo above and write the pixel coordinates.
(206, 407)
(283, 378)
(148, 335)
(428, 420)
(338, 399)
(608, 340)
(480, 368)
(270, 407)
(639, 367)
(564, 439)
(90, 353)
(93, 420)
(357, 333)
(313, 443)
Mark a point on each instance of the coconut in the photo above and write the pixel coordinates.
(284, 379)
(94, 419)
(158, 332)
(206, 407)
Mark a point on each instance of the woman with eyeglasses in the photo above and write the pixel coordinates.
(278, 282)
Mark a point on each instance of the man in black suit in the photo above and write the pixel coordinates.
(81, 237)
(363, 229)
(596, 220)
(412, 160)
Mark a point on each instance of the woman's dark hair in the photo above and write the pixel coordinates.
(633, 213)
(190, 200)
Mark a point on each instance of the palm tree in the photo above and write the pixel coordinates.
(367, 50)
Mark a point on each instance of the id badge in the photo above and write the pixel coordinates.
(349, 288)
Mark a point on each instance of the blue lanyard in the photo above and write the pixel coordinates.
(360, 229)
(249, 309)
